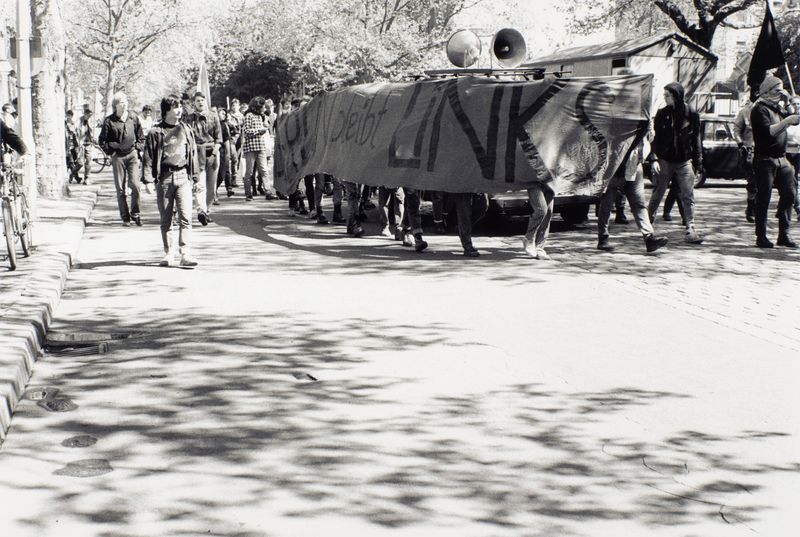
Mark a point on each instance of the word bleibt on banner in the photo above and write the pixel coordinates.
(468, 134)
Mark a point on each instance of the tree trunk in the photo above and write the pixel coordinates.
(111, 82)
(47, 93)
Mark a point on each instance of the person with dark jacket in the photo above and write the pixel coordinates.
(676, 147)
(11, 139)
(769, 161)
(122, 138)
(170, 161)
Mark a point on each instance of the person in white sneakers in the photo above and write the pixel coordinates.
(677, 153)
(170, 161)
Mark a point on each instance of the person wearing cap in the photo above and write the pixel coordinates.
(676, 149)
(770, 165)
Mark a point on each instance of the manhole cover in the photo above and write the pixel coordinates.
(84, 343)
(85, 468)
(81, 441)
(58, 405)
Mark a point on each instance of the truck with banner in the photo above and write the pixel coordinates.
(468, 134)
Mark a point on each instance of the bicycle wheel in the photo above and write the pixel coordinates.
(99, 159)
(8, 230)
(24, 224)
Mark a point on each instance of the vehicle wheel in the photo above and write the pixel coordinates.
(575, 214)
(8, 230)
(699, 179)
(25, 231)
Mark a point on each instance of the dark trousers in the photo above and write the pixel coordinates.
(470, 208)
(126, 175)
(780, 173)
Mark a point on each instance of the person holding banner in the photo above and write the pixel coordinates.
(541, 198)
(469, 209)
(630, 181)
(770, 163)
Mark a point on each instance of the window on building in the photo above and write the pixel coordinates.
(617, 63)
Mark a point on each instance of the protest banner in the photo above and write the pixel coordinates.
(468, 134)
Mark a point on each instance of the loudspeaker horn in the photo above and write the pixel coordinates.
(509, 47)
(463, 48)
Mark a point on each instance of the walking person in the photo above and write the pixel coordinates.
(86, 135)
(254, 144)
(208, 136)
(541, 198)
(224, 174)
(630, 182)
(676, 150)
(743, 134)
(170, 161)
(770, 164)
(469, 208)
(122, 138)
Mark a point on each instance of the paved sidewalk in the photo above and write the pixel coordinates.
(29, 294)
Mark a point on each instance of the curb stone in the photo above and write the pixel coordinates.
(27, 304)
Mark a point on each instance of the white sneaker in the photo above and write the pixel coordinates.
(166, 260)
(188, 261)
(541, 254)
(386, 232)
(692, 237)
(529, 247)
(291, 212)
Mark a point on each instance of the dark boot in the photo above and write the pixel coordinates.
(653, 243)
(354, 228)
(419, 243)
(763, 242)
(603, 244)
(785, 240)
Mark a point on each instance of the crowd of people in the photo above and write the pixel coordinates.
(193, 149)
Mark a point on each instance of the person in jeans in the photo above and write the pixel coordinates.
(254, 144)
(630, 181)
(170, 161)
(86, 135)
(122, 138)
(743, 134)
(208, 135)
(540, 197)
(770, 164)
(676, 148)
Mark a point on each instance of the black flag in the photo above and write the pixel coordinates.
(768, 53)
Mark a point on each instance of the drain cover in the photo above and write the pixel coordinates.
(79, 441)
(85, 468)
(58, 405)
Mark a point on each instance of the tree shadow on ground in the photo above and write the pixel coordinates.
(238, 424)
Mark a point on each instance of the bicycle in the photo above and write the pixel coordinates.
(16, 215)
(99, 159)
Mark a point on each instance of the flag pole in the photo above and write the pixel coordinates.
(789, 77)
